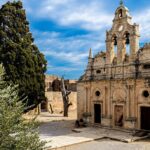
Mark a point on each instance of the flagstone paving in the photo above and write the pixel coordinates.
(107, 144)
(60, 133)
(88, 135)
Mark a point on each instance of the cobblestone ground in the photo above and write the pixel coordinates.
(110, 145)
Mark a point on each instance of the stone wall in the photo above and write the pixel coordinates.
(54, 95)
(56, 101)
(53, 83)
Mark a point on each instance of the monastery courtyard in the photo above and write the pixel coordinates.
(60, 134)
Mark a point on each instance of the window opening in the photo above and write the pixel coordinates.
(120, 13)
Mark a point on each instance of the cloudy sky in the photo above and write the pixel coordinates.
(65, 30)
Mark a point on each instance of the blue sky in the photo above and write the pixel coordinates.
(65, 30)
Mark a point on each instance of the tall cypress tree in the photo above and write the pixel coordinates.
(22, 60)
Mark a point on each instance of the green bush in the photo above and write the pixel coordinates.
(15, 132)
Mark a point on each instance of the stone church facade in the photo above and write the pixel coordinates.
(115, 89)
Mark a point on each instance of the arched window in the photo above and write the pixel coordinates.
(127, 38)
(56, 85)
(127, 42)
(120, 13)
(114, 40)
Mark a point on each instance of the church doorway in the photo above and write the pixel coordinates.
(145, 121)
(97, 113)
(119, 116)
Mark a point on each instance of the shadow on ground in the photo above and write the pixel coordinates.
(57, 128)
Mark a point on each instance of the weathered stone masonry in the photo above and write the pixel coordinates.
(115, 89)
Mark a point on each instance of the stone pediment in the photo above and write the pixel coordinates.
(119, 95)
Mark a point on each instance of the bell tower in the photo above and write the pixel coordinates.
(123, 35)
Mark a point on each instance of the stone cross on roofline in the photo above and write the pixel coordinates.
(121, 2)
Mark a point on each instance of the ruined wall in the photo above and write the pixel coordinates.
(56, 101)
(53, 83)
(54, 95)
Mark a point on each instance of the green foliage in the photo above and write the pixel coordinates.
(23, 62)
(15, 132)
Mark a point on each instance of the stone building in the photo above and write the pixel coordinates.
(54, 102)
(115, 88)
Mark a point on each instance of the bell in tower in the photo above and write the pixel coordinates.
(124, 35)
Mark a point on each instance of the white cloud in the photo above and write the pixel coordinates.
(66, 69)
(71, 50)
(86, 40)
(143, 19)
(74, 58)
(89, 16)
(46, 34)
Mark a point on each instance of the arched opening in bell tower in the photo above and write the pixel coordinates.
(114, 40)
(120, 13)
(127, 42)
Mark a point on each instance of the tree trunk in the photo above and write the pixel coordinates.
(66, 110)
(65, 94)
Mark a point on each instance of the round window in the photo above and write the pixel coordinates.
(98, 71)
(97, 93)
(146, 93)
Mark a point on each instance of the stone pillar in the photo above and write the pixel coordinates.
(106, 101)
(121, 51)
(134, 42)
(127, 102)
(110, 100)
(86, 100)
(110, 51)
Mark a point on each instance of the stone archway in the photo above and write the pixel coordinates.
(119, 98)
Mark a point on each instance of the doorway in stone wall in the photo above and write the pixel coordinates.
(145, 118)
(118, 116)
(43, 106)
(97, 113)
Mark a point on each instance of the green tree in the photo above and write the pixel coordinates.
(15, 132)
(23, 62)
